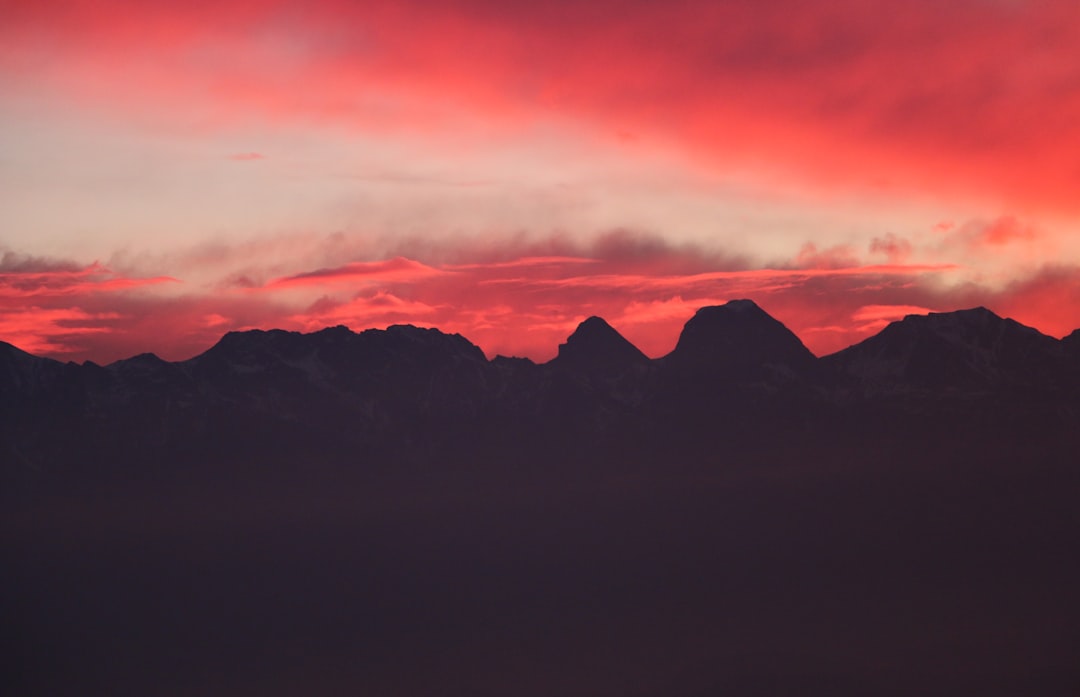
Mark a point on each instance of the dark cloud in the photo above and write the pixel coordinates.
(15, 263)
(894, 248)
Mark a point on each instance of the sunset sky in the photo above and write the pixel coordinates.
(173, 171)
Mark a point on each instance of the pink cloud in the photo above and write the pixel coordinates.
(874, 318)
(524, 306)
(23, 280)
(896, 249)
(372, 311)
(50, 331)
(971, 97)
(396, 270)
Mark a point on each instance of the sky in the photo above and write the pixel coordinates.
(502, 169)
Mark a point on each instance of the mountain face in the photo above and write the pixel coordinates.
(973, 350)
(596, 347)
(390, 512)
(23, 374)
(738, 340)
(419, 394)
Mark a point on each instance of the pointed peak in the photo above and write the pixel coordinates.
(593, 327)
(594, 321)
(595, 342)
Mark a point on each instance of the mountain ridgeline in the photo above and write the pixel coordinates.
(390, 512)
(738, 384)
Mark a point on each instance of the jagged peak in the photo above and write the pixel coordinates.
(594, 329)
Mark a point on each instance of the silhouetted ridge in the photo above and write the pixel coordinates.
(407, 337)
(595, 345)
(256, 350)
(963, 349)
(738, 338)
(23, 373)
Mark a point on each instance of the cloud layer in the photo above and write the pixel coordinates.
(519, 303)
(462, 164)
(976, 96)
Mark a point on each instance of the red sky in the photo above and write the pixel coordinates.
(169, 172)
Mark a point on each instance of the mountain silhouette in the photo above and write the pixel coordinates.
(416, 395)
(597, 348)
(390, 512)
(968, 349)
(738, 340)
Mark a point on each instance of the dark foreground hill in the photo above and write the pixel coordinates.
(389, 512)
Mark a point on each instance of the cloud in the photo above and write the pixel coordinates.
(396, 270)
(22, 278)
(896, 249)
(14, 263)
(1048, 299)
(874, 318)
(523, 305)
(837, 257)
(377, 310)
(51, 331)
(246, 156)
(993, 235)
(971, 97)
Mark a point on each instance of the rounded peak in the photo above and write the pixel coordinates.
(594, 321)
(144, 358)
(740, 306)
(738, 333)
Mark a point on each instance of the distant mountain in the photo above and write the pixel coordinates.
(390, 512)
(24, 374)
(740, 341)
(972, 350)
(416, 395)
(596, 347)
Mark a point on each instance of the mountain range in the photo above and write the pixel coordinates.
(410, 394)
(391, 512)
